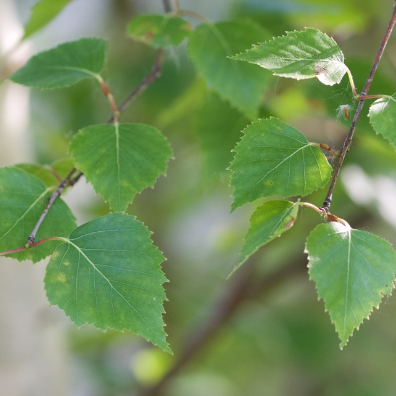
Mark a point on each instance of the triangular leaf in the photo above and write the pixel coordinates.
(108, 273)
(63, 65)
(352, 271)
(273, 158)
(382, 115)
(159, 31)
(23, 198)
(305, 54)
(43, 12)
(241, 84)
(120, 160)
(268, 221)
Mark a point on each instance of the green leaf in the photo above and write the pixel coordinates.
(23, 197)
(241, 84)
(352, 270)
(64, 65)
(108, 273)
(218, 128)
(273, 158)
(268, 221)
(46, 173)
(159, 31)
(120, 160)
(43, 12)
(382, 115)
(305, 54)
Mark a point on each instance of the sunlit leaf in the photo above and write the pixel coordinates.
(273, 158)
(108, 273)
(159, 31)
(383, 117)
(120, 160)
(352, 271)
(63, 65)
(241, 84)
(304, 54)
(268, 221)
(43, 12)
(23, 198)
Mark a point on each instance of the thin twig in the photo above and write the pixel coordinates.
(21, 249)
(155, 73)
(245, 288)
(348, 139)
(68, 181)
(51, 200)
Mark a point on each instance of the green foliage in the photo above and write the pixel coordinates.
(108, 273)
(383, 117)
(352, 271)
(159, 31)
(273, 158)
(21, 209)
(120, 160)
(268, 221)
(300, 55)
(43, 13)
(64, 65)
(209, 46)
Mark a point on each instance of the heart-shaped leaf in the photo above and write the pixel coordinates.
(108, 273)
(352, 271)
(120, 160)
(273, 158)
(305, 54)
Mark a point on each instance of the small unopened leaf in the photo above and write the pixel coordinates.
(120, 160)
(108, 273)
(42, 13)
(268, 221)
(383, 118)
(273, 158)
(241, 84)
(352, 271)
(23, 198)
(305, 54)
(159, 31)
(63, 65)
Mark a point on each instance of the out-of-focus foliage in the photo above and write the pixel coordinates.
(280, 342)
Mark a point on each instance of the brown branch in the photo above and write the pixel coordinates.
(245, 288)
(155, 73)
(51, 200)
(348, 139)
(68, 181)
(21, 249)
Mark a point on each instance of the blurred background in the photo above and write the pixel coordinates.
(262, 332)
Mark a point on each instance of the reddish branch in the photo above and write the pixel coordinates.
(363, 95)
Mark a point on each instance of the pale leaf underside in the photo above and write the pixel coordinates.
(300, 55)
